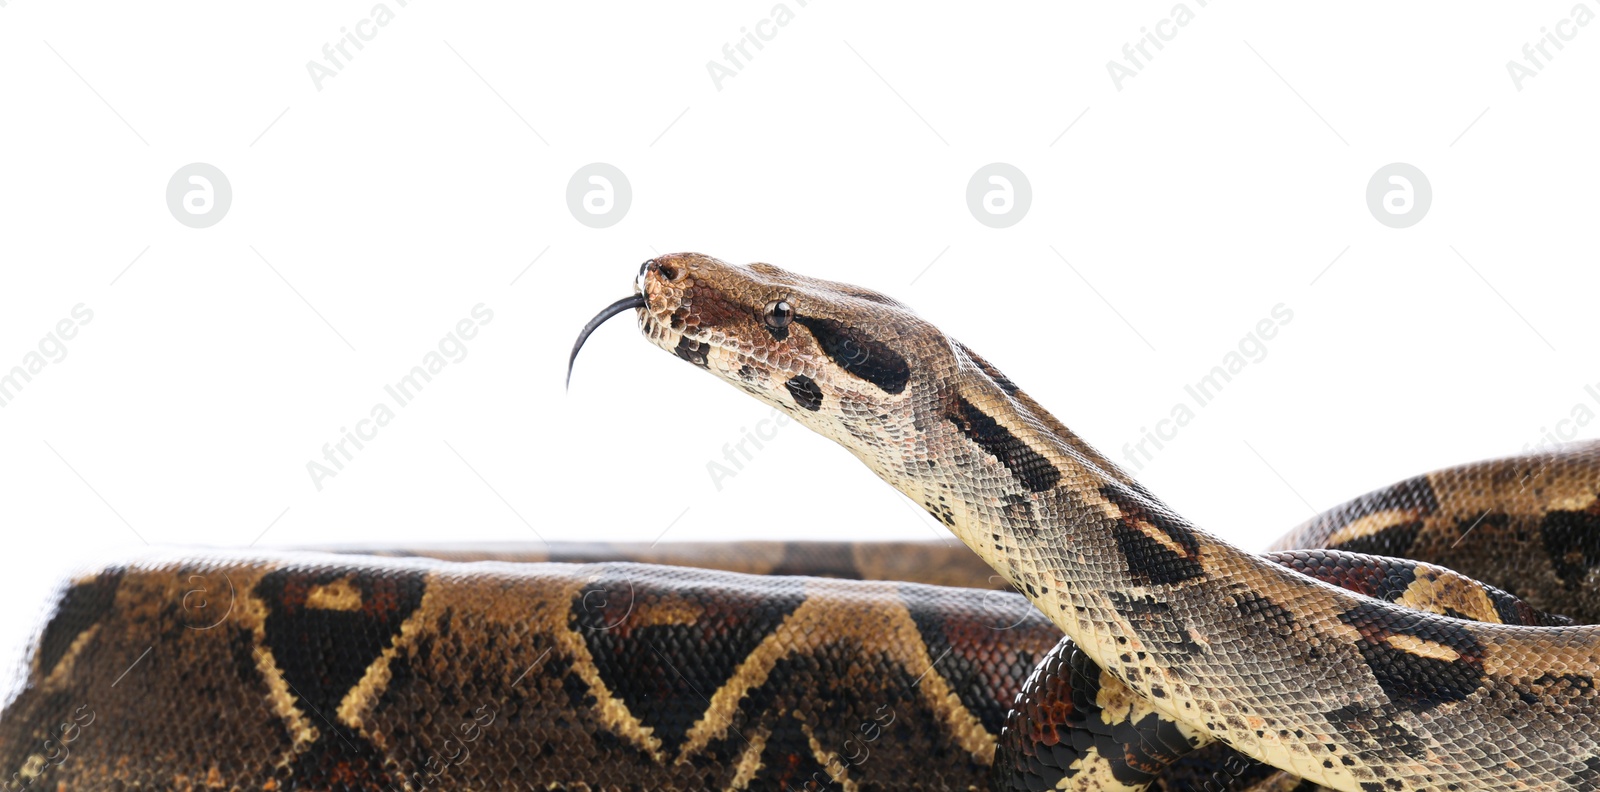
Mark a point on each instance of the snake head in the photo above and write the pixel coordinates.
(917, 407)
(863, 370)
(814, 348)
(849, 363)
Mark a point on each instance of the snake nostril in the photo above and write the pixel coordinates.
(668, 271)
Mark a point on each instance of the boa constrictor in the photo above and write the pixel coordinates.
(1420, 637)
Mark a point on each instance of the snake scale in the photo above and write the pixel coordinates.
(1429, 635)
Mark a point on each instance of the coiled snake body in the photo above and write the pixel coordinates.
(1426, 636)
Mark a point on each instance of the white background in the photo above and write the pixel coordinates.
(430, 175)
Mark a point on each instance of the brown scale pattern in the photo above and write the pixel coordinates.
(341, 672)
(1529, 525)
(331, 672)
(1058, 733)
(366, 603)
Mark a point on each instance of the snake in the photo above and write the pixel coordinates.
(1431, 635)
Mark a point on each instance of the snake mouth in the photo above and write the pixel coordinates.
(630, 302)
(662, 281)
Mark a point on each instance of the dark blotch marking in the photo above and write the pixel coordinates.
(871, 734)
(1572, 538)
(1376, 731)
(805, 391)
(1514, 610)
(351, 763)
(1017, 507)
(299, 636)
(1388, 579)
(941, 512)
(1152, 619)
(1208, 767)
(1258, 610)
(859, 353)
(1056, 721)
(1556, 692)
(82, 606)
(1413, 493)
(1149, 560)
(664, 670)
(1489, 519)
(693, 351)
(242, 654)
(1032, 469)
(1137, 506)
(1411, 681)
(990, 371)
(1394, 540)
(1587, 775)
(788, 761)
(962, 638)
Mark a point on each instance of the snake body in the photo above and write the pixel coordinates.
(1425, 636)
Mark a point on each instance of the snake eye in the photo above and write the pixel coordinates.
(779, 314)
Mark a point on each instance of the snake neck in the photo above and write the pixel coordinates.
(1032, 498)
(1095, 551)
